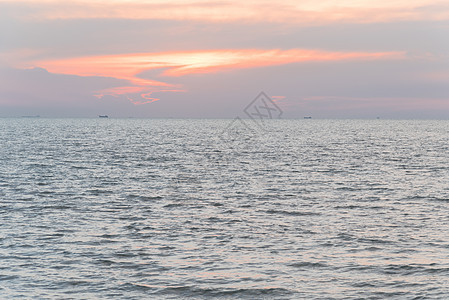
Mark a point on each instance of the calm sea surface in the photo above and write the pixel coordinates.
(179, 209)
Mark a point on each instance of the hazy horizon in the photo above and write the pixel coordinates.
(210, 118)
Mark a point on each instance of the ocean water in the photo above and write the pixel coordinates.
(198, 209)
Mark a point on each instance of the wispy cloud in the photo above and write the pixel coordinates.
(130, 67)
(286, 11)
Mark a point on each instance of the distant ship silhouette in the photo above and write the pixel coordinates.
(103, 116)
(307, 117)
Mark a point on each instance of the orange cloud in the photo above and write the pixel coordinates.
(129, 66)
(282, 11)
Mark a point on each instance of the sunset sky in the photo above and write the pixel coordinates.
(184, 58)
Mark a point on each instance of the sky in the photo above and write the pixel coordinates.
(209, 59)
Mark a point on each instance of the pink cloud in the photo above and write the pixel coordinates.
(128, 66)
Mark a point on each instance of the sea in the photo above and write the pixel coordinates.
(219, 209)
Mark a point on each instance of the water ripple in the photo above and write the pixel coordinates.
(165, 209)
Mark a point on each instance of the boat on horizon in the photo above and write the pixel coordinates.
(103, 116)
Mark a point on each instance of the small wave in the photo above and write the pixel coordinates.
(385, 295)
(143, 198)
(105, 262)
(51, 207)
(373, 241)
(51, 236)
(372, 248)
(109, 236)
(74, 283)
(292, 213)
(99, 191)
(216, 220)
(172, 205)
(363, 284)
(8, 277)
(306, 264)
(413, 269)
(125, 254)
(79, 167)
(191, 291)
(345, 236)
(439, 199)
(347, 206)
(401, 269)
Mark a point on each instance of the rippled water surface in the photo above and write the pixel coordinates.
(173, 209)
